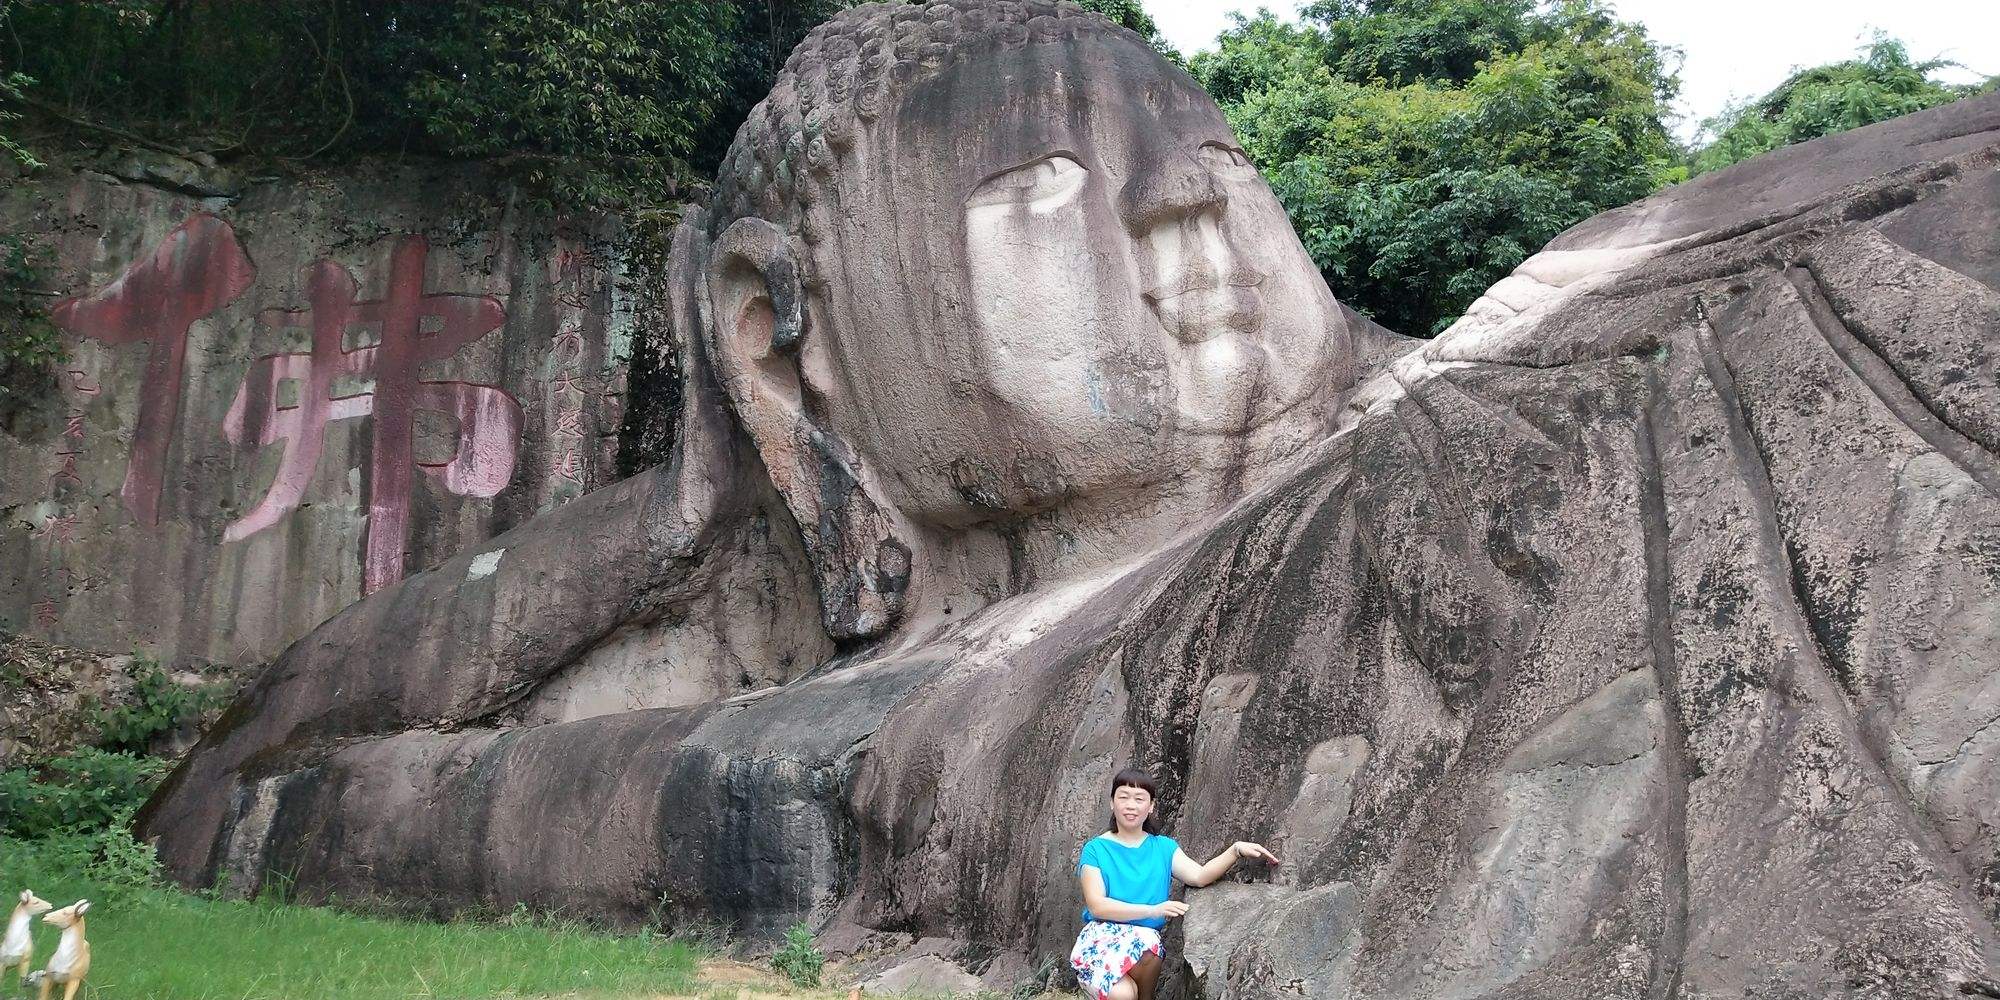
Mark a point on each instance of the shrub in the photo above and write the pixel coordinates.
(79, 792)
(1423, 148)
(799, 960)
(158, 706)
(121, 861)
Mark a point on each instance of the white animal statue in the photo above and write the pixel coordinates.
(71, 961)
(17, 948)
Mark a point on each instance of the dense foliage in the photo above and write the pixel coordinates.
(157, 706)
(597, 102)
(84, 790)
(1425, 147)
(1882, 84)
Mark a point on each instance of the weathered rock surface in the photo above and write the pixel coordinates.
(280, 394)
(1636, 638)
(926, 974)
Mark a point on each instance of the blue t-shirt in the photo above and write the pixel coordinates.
(1141, 874)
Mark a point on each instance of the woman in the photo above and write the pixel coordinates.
(1125, 873)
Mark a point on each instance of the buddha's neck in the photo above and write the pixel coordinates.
(964, 571)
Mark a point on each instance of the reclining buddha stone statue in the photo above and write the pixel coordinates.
(1634, 638)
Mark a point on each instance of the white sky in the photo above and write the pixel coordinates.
(1733, 48)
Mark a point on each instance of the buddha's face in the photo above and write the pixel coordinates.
(1049, 273)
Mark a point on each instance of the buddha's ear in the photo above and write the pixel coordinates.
(759, 325)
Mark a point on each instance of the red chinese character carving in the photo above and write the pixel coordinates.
(46, 614)
(61, 527)
(73, 425)
(79, 381)
(566, 273)
(569, 423)
(195, 271)
(67, 471)
(489, 420)
(569, 468)
(567, 347)
(566, 381)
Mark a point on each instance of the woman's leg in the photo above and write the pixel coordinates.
(1145, 975)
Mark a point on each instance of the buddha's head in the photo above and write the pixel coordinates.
(983, 260)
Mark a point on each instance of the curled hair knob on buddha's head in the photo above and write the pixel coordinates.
(842, 77)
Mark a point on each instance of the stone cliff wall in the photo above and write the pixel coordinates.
(283, 394)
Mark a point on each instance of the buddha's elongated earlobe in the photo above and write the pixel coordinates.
(758, 323)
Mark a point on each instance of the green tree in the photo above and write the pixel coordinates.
(597, 102)
(765, 33)
(1883, 83)
(1399, 43)
(602, 97)
(1130, 14)
(1423, 148)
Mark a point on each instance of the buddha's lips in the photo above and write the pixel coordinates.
(1196, 312)
(1241, 277)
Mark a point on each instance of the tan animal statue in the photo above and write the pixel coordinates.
(71, 962)
(17, 948)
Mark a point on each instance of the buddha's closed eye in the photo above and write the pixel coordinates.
(1226, 161)
(1042, 186)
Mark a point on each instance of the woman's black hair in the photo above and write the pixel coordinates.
(1137, 779)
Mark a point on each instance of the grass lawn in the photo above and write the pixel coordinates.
(162, 944)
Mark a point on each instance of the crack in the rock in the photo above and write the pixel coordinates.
(1670, 957)
(1564, 765)
(1874, 371)
(1645, 352)
(1963, 745)
(1965, 133)
(1500, 413)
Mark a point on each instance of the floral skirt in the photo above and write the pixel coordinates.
(1105, 951)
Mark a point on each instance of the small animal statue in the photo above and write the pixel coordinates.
(71, 962)
(17, 948)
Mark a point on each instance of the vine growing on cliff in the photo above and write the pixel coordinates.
(11, 87)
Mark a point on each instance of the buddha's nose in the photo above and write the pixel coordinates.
(1179, 190)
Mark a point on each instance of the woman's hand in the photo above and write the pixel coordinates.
(1170, 909)
(1246, 849)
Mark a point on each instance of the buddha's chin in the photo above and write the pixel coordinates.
(1233, 386)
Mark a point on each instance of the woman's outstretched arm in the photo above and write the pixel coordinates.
(1195, 874)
